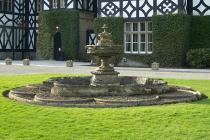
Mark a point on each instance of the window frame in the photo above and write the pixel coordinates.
(62, 4)
(39, 5)
(55, 4)
(7, 5)
(2, 5)
(128, 42)
(85, 4)
(149, 42)
(146, 32)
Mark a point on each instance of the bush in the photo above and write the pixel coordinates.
(115, 27)
(145, 58)
(199, 58)
(171, 34)
(68, 21)
(200, 32)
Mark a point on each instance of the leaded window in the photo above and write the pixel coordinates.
(58, 4)
(7, 4)
(1, 5)
(85, 4)
(55, 3)
(62, 4)
(39, 5)
(138, 37)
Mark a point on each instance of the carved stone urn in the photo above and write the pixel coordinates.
(104, 50)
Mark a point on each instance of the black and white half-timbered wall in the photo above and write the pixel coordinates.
(201, 7)
(17, 27)
(88, 5)
(138, 15)
(18, 23)
(18, 20)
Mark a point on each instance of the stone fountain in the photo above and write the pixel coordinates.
(104, 88)
(104, 50)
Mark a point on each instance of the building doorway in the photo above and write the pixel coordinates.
(57, 46)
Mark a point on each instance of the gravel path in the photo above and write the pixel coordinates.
(85, 68)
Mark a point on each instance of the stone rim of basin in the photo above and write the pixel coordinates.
(147, 95)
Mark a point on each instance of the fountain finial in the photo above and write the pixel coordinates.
(104, 38)
(104, 27)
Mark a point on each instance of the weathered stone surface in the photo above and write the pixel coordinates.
(69, 63)
(155, 66)
(104, 50)
(104, 79)
(26, 62)
(8, 61)
(77, 92)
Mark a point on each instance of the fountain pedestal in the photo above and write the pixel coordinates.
(105, 75)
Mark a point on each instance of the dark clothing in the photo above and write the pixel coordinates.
(57, 54)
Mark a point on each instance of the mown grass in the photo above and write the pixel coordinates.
(20, 121)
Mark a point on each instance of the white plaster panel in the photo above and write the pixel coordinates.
(196, 2)
(46, 5)
(207, 2)
(71, 5)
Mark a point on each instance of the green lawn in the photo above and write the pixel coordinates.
(186, 121)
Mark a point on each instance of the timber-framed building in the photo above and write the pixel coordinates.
(19, 28)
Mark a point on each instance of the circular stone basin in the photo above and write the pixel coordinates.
(77, 92)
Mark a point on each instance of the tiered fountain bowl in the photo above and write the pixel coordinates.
(104, 88)
(105, 75)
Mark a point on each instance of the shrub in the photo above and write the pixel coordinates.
(145, 58)
(199, 58)
(200, 32)
(69, 28)
(171, 34)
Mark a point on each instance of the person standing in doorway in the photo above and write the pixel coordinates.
(57, 45)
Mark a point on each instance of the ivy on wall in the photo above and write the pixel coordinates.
(171, 34)
(199, 58)
(200, 32)
(68, 21)
(115, 27)
(143, 58)
(174, 35)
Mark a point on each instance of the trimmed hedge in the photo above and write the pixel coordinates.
(143, 58)
(200, 32)
(199, 58)
(68, 21)
(115, 27)
(171, 34)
